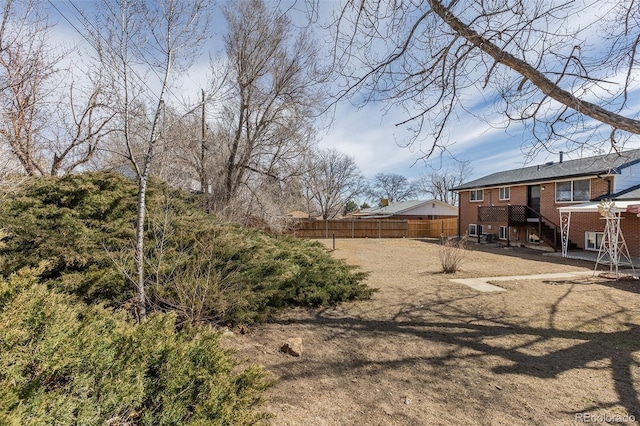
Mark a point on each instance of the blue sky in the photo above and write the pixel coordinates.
(370, 134)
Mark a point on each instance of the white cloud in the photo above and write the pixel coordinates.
(371, 137)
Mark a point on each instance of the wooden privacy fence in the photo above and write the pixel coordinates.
(368, 228)
(434, 228)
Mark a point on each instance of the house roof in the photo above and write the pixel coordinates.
(400, 208)
(297, 214)
(591, 166)
(632, 193)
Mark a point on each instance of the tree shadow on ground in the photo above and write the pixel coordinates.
(472, 335)
(523, 253)
(632, 286)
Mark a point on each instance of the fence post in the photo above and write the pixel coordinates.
(326, 228)
(379, 230)
(353, 228)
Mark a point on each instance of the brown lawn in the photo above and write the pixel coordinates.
(426, 351)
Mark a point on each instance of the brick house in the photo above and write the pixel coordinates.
(526, 206)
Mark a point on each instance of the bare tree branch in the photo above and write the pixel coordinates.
(562, 69)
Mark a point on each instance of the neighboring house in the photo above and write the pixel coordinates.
(410, 210)
(299, 215)
(523, 206)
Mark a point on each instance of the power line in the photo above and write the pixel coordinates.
(91, 28)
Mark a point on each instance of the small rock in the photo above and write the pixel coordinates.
(293, 346)
(498, 387)
(407, 401)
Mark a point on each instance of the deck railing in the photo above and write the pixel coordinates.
(517, 215)
(511, 215)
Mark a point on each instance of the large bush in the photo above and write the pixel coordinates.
(71, 225)
(64, 362)
(198, 265)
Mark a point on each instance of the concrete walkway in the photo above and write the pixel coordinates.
(482, 284)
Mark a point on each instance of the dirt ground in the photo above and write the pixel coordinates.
(427, 351)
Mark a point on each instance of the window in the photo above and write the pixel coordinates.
(502, 233)
(581, 190)
(476, 195)
(573, 190)
(504, 193)
(593, 240)
(475, 230)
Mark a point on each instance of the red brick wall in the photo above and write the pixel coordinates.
(629, 223)
(468, 212)
(580, 222)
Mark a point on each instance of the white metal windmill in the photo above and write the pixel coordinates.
(613, 243)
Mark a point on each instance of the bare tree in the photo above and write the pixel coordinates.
(438, 184)
(272, 100)
(561, 68)
(43, 139)
(84, 121)
(332, 179)
(26, 70)
(178, 160)
(164, 36)
(392, 187)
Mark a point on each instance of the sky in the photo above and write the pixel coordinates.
(370, 135)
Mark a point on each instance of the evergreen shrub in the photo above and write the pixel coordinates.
(80, 230)
(67, 363)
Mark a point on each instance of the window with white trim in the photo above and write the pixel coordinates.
(502, 233)
(475, 230)
(593, 240)
(476, 195)
(504, 193)
(573, 190)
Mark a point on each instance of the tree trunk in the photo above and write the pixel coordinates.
(141, 310)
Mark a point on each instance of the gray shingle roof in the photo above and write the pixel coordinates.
(601, 164)
(397, 207)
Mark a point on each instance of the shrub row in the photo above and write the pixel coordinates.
(65, 362)
(198, 265)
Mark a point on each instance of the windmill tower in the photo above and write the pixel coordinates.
(613, 243)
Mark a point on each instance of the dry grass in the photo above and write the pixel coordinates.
(425, 350)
